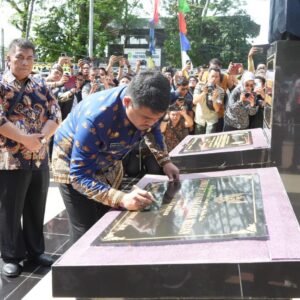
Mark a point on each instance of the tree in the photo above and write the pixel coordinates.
(65, 27)
(216, 28)
(23, 12)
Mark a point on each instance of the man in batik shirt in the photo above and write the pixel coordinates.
(91, 142)
(29, 115)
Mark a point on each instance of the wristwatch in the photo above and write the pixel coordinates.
(43, 141)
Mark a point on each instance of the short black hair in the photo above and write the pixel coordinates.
(127, 77)
(182, 81)
(214, 69)
(150, 89)
(262, 79)
(215, 61)
(193, 77)
(103, 69)
(21, 43)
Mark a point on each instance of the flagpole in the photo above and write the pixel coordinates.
(91, 28)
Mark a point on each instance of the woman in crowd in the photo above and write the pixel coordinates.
(175, 126)
(241, 104)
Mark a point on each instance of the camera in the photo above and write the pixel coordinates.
(210, 88)
(175, 107)
(143, 62)
(248, 94)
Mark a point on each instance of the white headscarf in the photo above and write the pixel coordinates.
(247, 76)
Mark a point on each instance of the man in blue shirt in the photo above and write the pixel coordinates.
(91, 142)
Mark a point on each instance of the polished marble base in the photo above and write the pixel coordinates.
(253, 153)
(227, 269)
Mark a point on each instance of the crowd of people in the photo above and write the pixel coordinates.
(129, 120)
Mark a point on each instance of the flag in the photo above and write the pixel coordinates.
(183, 6)
(185, 58)
(185, 46)
(182, 23)
(156, 14)
(184, 42)
(150, 63)
(152, 27)
(151, 38)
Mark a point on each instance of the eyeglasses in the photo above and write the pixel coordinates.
(184, 89)
(79, 79)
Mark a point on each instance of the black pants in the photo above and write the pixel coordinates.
(23, 193)
(83, 212)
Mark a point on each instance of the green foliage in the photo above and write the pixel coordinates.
(212, 33)
(21, 16)
(65, 27)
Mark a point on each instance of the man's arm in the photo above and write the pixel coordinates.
(32, 142)
(155, 142)
(49, 129)
(9, 130)
(188, 121)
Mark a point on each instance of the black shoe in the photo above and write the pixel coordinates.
(43, 260)
(11, 269)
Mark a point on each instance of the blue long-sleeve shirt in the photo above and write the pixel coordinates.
(90, 144)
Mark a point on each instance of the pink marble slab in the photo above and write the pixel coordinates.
(283, 243)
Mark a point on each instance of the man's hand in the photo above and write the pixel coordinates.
(250, 99)
(171, 171)
(253, 51)
(137, 199)
(215, 94)
(33, 141)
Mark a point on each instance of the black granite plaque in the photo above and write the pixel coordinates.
(220, 208)
(220, 141)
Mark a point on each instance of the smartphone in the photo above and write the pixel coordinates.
(235, 68)
(125, 56)
(71, 83)
(259, 50)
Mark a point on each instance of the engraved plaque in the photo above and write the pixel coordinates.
(220, 141)
(206, 209)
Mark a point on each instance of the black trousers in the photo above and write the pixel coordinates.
(23, 194)
(83, 212)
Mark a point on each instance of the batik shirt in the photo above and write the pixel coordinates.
(90, 144)
(36, 107)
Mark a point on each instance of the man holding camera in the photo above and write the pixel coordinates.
(29, 116)
(209, 100)
(241, 104)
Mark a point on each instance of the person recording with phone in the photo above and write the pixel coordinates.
(241, 104)
(209, 100)
(257, 120)
(94, 84)
(182, 97)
